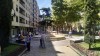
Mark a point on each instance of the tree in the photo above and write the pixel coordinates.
(64, 11)
(47, 11)
(58, 14)
(91, 17)
(5, 22)
(46, 17)
(71, 10)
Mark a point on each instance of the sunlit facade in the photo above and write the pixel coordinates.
(36, 14)
(22, 16)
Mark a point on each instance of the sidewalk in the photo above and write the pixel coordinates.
(59, 35)
(53, 48)
(36, 51)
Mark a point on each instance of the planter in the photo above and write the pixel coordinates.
(17, 51)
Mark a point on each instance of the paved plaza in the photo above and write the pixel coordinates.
(53, 48)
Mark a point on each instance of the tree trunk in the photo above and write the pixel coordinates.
(5, 22)
(57, 30)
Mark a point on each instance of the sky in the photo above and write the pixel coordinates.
(44, 3)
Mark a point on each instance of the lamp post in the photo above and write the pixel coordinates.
(44, 27)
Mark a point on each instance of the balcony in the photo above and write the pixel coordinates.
(21, 11)
(22, 3)
(22, 20)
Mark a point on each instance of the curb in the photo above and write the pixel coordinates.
(22, 52)
(79, 53)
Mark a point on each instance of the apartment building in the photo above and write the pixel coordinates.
(22, 17)
(36, 14)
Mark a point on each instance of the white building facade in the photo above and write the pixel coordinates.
(22, 17)
(36, 15)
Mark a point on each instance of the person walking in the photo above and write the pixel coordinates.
(42, 41)
(27, 41)
(70, 33)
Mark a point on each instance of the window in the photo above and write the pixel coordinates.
(26, 14)
(13, 31)
(26, 21)
(16, 18)
(16, 8)
(12, 18)
(22, 20)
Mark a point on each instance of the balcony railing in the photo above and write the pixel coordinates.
(22, 3)
(22, 11)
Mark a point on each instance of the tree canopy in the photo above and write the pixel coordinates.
(66, 11)
(91, 17)
(70, 11)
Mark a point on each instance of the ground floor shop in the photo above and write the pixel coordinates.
(20, 30)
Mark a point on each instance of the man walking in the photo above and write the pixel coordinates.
(28, 40)
(42, 41)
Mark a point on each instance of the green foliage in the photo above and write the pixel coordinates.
(46, 11)
(5, 21)
(91, 17)
(66, 11)
(9, 49)
(70, 11)
(87, 38)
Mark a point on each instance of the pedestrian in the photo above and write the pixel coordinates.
(18, 38)
(27, 42)
(30, 34)
(42, 41)
(21, 37)
(70, 33)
